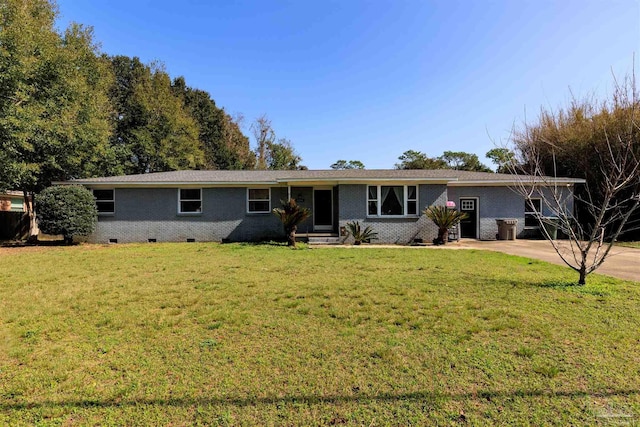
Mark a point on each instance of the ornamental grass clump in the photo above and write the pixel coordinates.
(360, 234)
(445, 218)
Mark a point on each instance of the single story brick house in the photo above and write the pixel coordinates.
(204, 205)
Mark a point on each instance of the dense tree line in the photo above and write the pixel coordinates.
(456, 160)
(69, 111)
(598, 140)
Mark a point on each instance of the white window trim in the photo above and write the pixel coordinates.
(526, 212)
(405, 201)
(113, 200)
(189, 200)
(268, 211)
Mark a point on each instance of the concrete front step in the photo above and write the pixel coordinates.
(324, 240)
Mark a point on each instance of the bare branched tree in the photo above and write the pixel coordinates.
(609, 155)
(264, 136)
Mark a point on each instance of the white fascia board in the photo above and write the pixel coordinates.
(377, 181)
(512, 183)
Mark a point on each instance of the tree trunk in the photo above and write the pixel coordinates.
(291, 236)
(443, 236)
(583, 275)
(30, 207)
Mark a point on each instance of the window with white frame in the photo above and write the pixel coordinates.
(105, 201)
(531, 206)
(392, 200)
(467, 205)
(259, 200)
(190, 201)
(412, 200)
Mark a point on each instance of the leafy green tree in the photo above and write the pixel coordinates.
(459, 160)
(67, 210)
(282, 156)
(444, 218)
(502, 158)
(224, 145)
(291, 215)
(154, 130)
(54, 109)
(347, 164)
(412, 159)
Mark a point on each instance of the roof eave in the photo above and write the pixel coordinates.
(496, 183)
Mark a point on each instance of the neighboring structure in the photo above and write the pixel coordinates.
(236, 205)
(12, 201)
(14, 220)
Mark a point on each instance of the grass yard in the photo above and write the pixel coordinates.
(208, 334)
(635, 245)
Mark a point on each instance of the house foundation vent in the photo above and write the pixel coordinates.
(113, 240)
(152, 240)
(191, 240)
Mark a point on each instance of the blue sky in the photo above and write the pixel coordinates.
(368, 80)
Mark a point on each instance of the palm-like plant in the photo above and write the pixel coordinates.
(291, 215)
(359, 234)
(445, 218)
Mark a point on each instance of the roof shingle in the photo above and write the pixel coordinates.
(269, 176)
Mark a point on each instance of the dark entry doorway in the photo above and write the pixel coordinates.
(469, 226)
(322, 209)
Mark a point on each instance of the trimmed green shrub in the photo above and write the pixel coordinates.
(69, 210)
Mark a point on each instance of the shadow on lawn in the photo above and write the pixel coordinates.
(27, 243)
(311, 400)
(559, 284)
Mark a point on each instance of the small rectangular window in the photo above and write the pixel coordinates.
(412, 200)
(259, 200)
(531, 206)
(372, 200)
(105, 201)
(190, 200)
(17, 204)
(467, 205)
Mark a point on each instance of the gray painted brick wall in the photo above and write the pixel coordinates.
(143, 214)
(353, 207)
(496, 203)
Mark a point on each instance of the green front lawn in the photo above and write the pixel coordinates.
(182, 334)
(635, 245)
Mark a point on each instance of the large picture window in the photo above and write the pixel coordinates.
(531, 206)
(105, 201)
(392, 200)
(190, 201)
(259, 200)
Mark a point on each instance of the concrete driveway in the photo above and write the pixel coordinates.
(623, 263)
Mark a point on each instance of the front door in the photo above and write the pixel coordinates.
(469, 226)
(322, 209)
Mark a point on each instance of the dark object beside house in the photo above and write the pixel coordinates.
(14, 225)
(507, 228)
